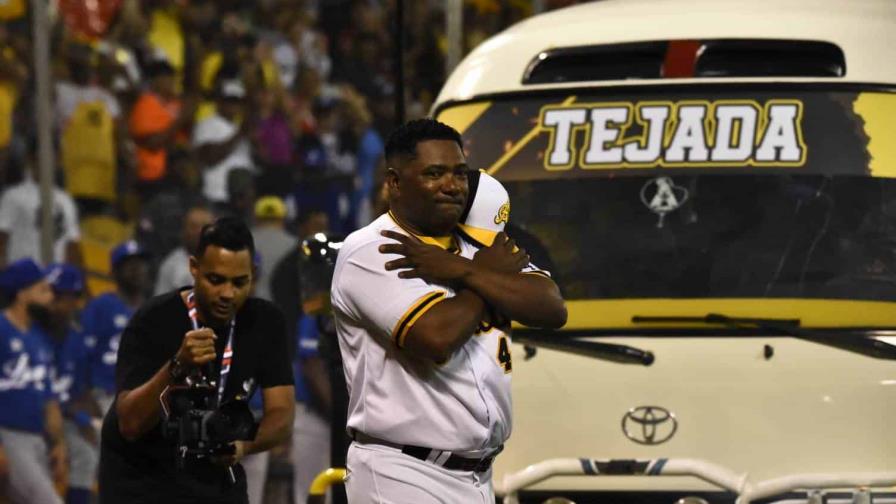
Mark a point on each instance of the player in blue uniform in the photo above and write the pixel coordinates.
(105, 318)
(314, 404)
(31, 431)
(70, 382)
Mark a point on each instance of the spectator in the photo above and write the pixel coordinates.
(284, 55)
(157, 122)
(13, 78)
(370, 148)
(106, 316)
(273, 138)
(240, 196)
(30, 418)
(221, 141)
(91, 133)
(70, 382)
(175, 269)
(307, 91)
(271, 239)
(160, 223)
(341, 163)
(364, 69)
(20, 222)
(309, 45)
(165, 33)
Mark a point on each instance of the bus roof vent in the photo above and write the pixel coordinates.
(769, 58)
(687, 59)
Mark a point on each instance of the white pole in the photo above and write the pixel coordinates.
(43, 112)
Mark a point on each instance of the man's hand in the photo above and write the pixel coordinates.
(239, 451)
(428, 262)
(502, 256)
(198, 347)
(59, 465)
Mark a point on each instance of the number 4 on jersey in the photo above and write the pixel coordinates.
(504, 357)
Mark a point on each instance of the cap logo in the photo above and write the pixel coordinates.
(503, 214)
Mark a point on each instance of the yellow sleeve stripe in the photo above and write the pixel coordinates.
(403, 327)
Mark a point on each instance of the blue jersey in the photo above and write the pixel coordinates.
(307, 342)
(103, 321)
(25, 386)
(70, 372)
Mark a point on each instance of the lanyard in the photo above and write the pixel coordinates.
(228, 349)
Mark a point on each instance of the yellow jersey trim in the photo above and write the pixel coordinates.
(444, 242)
(410, 317)
(484, 237)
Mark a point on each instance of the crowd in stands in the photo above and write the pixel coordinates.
(169, 113)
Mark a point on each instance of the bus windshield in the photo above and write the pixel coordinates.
(697, 191)
(809, 236)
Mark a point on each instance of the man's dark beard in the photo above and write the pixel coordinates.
(40, 314)
(57, 326)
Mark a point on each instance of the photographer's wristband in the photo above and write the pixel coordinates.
(176, 370)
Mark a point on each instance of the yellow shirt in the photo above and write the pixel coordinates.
(8, 97)
(166, 35)
(11, 9)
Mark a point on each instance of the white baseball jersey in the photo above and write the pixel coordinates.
(462, 405)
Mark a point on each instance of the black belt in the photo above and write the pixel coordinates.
(437, 457)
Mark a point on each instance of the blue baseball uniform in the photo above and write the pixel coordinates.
(70, 373)
(307, 342)
(25, 384)
(311, 431)
(103, 321)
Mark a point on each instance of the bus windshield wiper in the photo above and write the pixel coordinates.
(622, 354)
(863, 345)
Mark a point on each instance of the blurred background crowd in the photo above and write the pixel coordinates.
(168, 113)
(160, 103)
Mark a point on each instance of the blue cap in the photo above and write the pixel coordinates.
(20, 275)
(127, 249)
(65, 278)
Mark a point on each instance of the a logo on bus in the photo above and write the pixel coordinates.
(649, 425)
(662, 196)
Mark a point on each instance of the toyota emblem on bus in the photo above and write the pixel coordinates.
(649, 425)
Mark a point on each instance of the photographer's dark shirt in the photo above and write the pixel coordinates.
(146, 470)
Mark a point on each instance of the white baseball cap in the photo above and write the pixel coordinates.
(488, 209)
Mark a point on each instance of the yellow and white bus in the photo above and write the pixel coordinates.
(713, 184)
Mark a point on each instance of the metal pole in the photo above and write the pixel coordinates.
(43, 112)
(399, 62)
(454, 31)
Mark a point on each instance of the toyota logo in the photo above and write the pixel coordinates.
(649, 425)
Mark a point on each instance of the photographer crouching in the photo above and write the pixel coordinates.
(187, 364)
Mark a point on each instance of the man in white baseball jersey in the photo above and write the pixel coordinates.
(422, 316)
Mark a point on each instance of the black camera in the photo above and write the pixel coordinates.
(200, 426)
